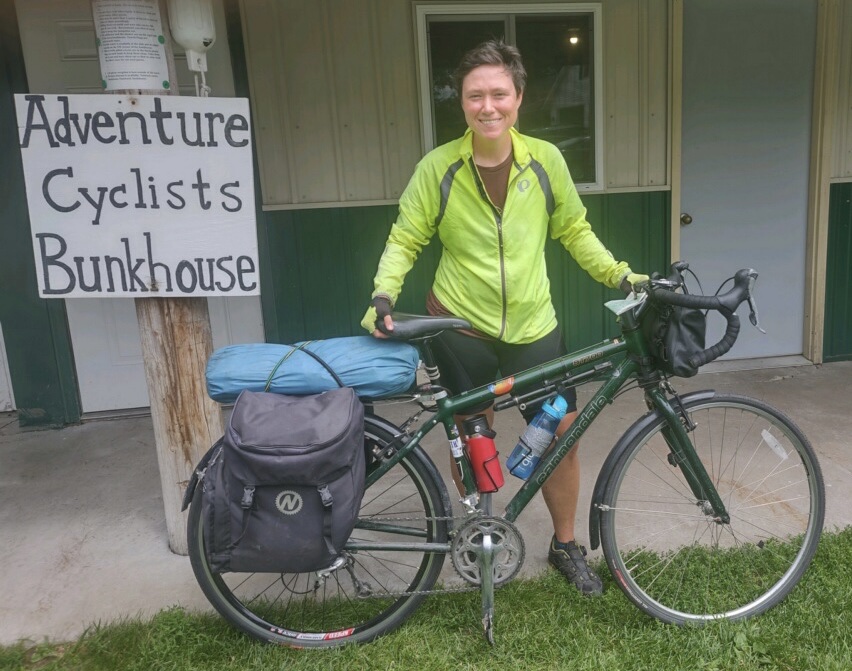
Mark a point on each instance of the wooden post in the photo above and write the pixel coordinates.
(176, 344)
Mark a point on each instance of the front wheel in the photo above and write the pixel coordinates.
(665, 549)
(367, 593)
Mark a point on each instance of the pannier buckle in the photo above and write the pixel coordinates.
(325, 495)
(248, 497)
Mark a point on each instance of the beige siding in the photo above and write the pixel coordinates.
(333, 86)
(623, 74)
(355, 95)
(334, 96)
(398, 91)
(60, 55)
(842, 142)
(656, 130)
(636, 86)
(307, 109)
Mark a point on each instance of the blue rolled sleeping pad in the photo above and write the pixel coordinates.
(374, 368)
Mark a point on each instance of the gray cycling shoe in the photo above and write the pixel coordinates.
(570, 561)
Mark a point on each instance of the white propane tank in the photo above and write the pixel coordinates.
(192, 26)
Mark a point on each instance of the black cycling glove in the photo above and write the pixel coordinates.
(383, 309)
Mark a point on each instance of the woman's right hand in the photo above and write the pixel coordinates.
(383, 315)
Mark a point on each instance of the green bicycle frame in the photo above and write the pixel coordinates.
(554, 371)
(624, 359)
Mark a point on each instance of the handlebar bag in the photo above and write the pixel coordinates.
(675, 334)
(283, 491)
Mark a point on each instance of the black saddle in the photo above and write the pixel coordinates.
(409, 327)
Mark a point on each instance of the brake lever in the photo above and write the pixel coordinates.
(752, 317)
(752, 306)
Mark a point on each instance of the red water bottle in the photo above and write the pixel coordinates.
(483, 454)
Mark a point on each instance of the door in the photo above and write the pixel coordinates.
(108, 349)
(60, 55)
(747, 84)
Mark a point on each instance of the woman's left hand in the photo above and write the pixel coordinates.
(628, 284)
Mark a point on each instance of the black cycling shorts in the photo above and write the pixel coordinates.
(467, 362)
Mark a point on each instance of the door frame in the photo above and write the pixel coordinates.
(829, 27)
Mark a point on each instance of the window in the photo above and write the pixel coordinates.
(561, 47)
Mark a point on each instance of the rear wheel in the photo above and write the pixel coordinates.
(368, 592)
(664, 548)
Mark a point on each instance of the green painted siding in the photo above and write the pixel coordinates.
(35, 330)
(837, 339)
(635, 228)
(321, 265)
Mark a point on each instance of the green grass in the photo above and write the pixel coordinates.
(540, 624)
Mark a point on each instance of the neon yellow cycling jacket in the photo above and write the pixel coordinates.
(492, 269)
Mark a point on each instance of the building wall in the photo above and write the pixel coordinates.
(60, 56)
(322, 263)
(334, 87)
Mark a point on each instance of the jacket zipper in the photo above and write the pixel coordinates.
(498, 218)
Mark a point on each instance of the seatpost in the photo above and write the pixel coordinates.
(471, 496)
(431, 365)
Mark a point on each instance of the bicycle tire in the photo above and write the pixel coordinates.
(671, 559)
(294, 610)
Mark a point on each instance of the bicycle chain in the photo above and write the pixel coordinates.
(425, 592)
(382, 518)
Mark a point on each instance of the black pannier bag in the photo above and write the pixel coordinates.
(675, 335)
(283, 491)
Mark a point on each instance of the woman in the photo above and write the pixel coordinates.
(493, 196)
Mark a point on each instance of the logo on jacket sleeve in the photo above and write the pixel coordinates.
(288, 502)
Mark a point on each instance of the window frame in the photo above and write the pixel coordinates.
(424, 11)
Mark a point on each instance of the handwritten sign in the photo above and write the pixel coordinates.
(139, 196)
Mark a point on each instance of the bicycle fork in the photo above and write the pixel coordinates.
(683, 455)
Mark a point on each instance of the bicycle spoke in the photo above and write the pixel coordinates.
(363, 594)
(677, 561)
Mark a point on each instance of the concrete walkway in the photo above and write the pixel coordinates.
(82, 530)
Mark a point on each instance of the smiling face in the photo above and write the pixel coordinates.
(490, 103)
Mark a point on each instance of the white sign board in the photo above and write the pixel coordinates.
(139, 196)
(131, 44)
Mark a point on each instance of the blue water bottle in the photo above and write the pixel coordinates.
(536, 438)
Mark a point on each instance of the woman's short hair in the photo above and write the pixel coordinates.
(492, 52)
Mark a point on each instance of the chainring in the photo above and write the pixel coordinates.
(508, 544)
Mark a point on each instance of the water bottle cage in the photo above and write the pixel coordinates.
(541, 395)
(522, 441)
(549, 388)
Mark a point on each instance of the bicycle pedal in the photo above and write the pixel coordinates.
(488, 627)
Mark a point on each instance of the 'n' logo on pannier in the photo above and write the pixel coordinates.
(288, 502)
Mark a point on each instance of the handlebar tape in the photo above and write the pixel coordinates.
(721, 347)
